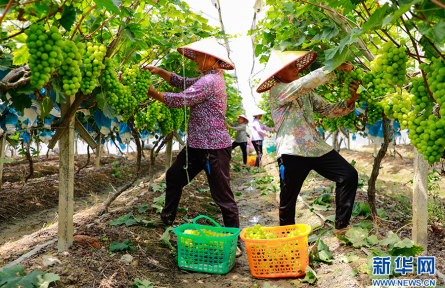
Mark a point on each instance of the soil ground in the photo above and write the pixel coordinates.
(30, 220)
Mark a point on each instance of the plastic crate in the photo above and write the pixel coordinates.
(271, 149)
(206, 254)
(280, 257)
(251, 160)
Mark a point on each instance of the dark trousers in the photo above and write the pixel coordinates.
(331, 166)
(219, 182)
(258, 145)
(243, 146)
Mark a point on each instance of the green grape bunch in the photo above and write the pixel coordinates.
(436, 80)
(165, 120)
(152, 112)
(375, 112)
(140, 119)
(130, 74)
(376, 86)
(70, 70)
(93, 64)
(392, 62)
(114, 90)
(257, 232)
(45, 49)
(208, 233)
(426, 129)
(177, 117)
(356, 75)
(398, 107)
(142, 85)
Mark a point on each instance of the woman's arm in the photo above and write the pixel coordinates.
(260, 131)
(264, 127)
(195, 94)
(335, 110)
(239, 127)
(172, 78)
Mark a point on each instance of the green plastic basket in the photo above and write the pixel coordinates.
(206, 254)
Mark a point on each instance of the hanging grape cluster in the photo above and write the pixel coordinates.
(398, 106)
(374, 113)
(93, 64)
(392, 62)
(165, 120)
(436, 81)
(426, 129)
(129, 75)
(376, 86)
(142, 85)
(152, 112)
(177, 117)
(70, 70)
(45, 53)
(357, 75)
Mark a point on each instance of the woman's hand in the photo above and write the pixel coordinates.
(353, 88)
(347, 67)
(154, 70)
(268, 135)
(155, 94)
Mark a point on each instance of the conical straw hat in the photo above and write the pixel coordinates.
(210, 47)
(244, 117)
(278, 61)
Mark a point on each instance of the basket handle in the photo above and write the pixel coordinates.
(208, 218)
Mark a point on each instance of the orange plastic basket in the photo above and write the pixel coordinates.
(251, 160)
(280, 257)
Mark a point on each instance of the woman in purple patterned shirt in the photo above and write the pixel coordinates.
(209, 145)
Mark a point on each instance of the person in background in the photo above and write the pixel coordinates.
(300, 148)
(241, 135)
(258, 134)
(209, 145)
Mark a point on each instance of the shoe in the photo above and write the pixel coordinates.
(158, 222)
(341, 231)
(239, 252)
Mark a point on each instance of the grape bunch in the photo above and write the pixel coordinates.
(294, 233)
(330, 124)
(347, 121)
(376, 86)
(426, 129)
(374, 113)
(152, 112)
(392, 62)
(357, 75)
(398, 106)
(208, 233)
(93, 64)
(165, 120)
(45, 53)
(256, 232)
(142, 85)
(129, 75)
(114, 89)
(435, 78)
(177, 117)
(140, 119)
(70, 70)
(130, 104)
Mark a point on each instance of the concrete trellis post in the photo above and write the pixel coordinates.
(66, 180)
(420, 200)
(98, 151)
(75, 147)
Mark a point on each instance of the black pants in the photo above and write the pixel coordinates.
(219, 182)
(258, 145)
(243, 146)
(331, 166)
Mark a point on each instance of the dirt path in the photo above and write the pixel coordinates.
(154, 261)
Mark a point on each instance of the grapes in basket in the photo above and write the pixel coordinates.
(256, 232)
(208, 233)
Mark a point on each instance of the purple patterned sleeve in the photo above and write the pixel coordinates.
(178, 81)
(195, 94)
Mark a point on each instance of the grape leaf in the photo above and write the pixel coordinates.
(330, 218)
(311, 276)
(361, 208)
(125, 219)
(109, 111)
(390, 241)
(11, 275)
(20, 101)
(143, 208)
(322, 199)
(68, 17)
(353, 273)
(320, 253)
(358, 237)
(348, 258)
(329, 32)
(21, 55)
(374, 22)
(46, 107)
(165, 238)
(406, 248)
(47, 279)
(116, 246)
(340, 58)
(60, 95)
(5, 63)
(30, 280)
(438, 31)
(142, 284)
(320, 207)
(364, 225)
(111, 6)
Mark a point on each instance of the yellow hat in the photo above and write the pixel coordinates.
(278, 61)
(210, 47)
